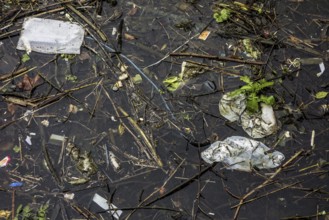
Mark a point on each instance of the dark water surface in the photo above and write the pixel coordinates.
(301, 189)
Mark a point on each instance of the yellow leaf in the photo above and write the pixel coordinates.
(321, 95)
(121, 129)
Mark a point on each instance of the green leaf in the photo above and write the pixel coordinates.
(247, 88)
(321, 95)
(246, 79)
(172, 83)
(16, 149)
(252, 103)
(25, 58)
(222, 16)
(19, 209)
(137, 79)
(269, 100)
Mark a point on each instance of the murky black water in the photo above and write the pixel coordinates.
(166, 116)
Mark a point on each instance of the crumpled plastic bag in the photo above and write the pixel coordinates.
(50, 36)
(260, 124)
(256, 125)
(232, 107)
(243, 154)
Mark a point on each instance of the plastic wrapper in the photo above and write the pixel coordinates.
(261, 124)
(50, 36)
(256, 125)
(241, 153)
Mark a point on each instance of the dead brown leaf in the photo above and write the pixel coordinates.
(28, 83)
(11, 107)
(129, 37)
(84, 56)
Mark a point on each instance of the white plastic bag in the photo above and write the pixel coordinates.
(50, 36)
(257, 125)
(244, 154)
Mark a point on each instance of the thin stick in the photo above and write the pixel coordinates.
(146, 140)
(211, 57)
(149, 196)
(98, 31)
(13, 205)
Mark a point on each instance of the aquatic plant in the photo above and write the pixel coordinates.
(222, 15)
(26, 212)
(252, 91)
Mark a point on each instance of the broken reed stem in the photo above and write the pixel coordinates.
(84, 18)
(125, 126)
(46, 155)
(211, 57)
(182, 185)
(146, 140)
(267, 194)
(13, 205)
(10, 76)
(242, 200)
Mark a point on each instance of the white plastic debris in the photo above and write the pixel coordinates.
(69, 196)
(244, 154)
(56, 139)
(114, 161)
(322, 69)
(28, 140)
(104, 204)
(256, 125)
(261, 124)
(50, 36)
(232, 107)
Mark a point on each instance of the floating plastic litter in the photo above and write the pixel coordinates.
(244, 154)
(257, 125)
(50, 36)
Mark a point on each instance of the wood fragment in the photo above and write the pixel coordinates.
(211, 57)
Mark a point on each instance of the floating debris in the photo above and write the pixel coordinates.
(244, 154)
(16, 184)
(261, 124)
(4, 162)
(50, 36)
(114, 161)
(104, 204)
(56, 139)
(204, 35)
(231, 107)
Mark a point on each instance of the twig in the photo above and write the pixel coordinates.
(266, 194)
(168, 54)
(13, 205)
(145, 76)
(46, 155)
(10, 76)
(98, 31)
(242, 200)
(163, 185)
(182, 185)
(146, 140)
(211, 57)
